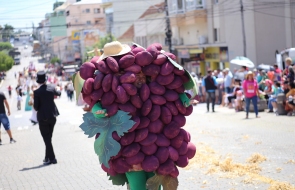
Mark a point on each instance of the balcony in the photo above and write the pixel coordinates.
(183, 6)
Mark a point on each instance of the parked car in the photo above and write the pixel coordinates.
(17, 61)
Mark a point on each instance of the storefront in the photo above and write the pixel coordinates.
(199, 60)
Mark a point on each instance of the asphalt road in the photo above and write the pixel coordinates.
(225, 141)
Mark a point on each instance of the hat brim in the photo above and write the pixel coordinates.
(125, 50)
(40, 81)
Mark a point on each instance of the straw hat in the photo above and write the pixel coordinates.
(249, 73)
(114, 48)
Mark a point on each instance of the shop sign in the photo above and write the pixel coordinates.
(75, 35)
(196, 51)
(216, 54)
(183, 53)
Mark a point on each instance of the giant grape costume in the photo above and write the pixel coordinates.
(143, 93)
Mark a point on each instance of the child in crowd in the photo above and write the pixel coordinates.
(272, 101)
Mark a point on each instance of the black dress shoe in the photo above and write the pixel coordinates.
(46, 160)
(50, 162)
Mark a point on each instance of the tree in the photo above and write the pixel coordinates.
(6, 62)
(5, 46)
(54, 60)
(104, 40)
(7, 31)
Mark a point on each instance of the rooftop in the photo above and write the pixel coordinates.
(85, 2)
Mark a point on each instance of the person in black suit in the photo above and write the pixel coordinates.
(46, 114)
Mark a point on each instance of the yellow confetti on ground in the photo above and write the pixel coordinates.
(281, 186)
(291, 162)
(256, 158)
(206, 157)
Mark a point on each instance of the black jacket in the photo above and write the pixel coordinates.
(44, 102)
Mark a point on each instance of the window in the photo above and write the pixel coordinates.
(88, 22)
(97, 22)
(87, 10)
(96, 10)
(215, 33)
(68, 13)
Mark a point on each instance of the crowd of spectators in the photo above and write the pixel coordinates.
(236, 90)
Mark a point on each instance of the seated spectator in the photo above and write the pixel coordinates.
(233, 95)
(261, 77)
(239, 101)
(291, 99)
(269, 89)
(291, 75)
(272, 102)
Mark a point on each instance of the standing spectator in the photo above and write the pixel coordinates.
(291, 75)
(288, 62)
(9, 90)
(291, 99)
(240, 74)
(228, 81)
(46, 114)
(271, 74)
(278, 73)
(220, 74)
(209, 84)
(3, 117)
(250, 88)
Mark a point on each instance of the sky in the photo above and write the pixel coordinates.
(22, 13)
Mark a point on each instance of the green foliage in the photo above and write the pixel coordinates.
(103, 41)
(5, 46)
(6, 62)
(105, 146)
(55, 60)
(7, 31)
(119, 179)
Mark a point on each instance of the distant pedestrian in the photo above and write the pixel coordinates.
(70, 89)
(251, 91)
(9, 90)
(209, 84)
(46, 114)
(19, 101)
(3, 117)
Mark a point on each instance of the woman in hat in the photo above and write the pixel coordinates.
(250, 88)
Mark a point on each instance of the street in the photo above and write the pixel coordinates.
(232, 153)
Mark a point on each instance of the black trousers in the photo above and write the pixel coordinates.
(210, 95)
(46, 128)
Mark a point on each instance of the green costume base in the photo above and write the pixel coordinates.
(137, 179)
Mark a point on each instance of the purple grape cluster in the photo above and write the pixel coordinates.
(147, 85)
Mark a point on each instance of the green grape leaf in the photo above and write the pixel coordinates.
(168, 182)
(154, 182)
(78, 83)
(118, 179)
(105, 146)
(191, 84)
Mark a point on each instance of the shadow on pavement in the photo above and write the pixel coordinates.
(33, 168)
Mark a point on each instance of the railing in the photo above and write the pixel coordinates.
(182, 6)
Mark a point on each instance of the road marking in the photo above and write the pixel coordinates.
(18, 116)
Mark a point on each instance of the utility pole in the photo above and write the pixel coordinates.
(243, 28)
(168, 28)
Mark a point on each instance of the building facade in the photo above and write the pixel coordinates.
(86, 25)
(121, 15)
(208, 33)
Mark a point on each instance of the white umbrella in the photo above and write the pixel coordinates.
(242, 61)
